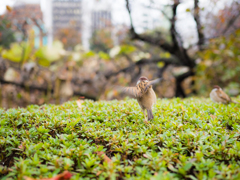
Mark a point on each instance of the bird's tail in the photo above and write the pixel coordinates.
(150, 114)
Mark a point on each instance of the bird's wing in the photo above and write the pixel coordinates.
(135, 91)
(151, 83)
(140, 89)
(224, 96)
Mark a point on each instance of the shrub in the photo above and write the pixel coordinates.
(187, 139)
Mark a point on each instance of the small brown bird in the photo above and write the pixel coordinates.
(219, 96)
(145, 95)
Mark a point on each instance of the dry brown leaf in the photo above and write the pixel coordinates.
(213, 116)
(170, 166)
(98, 173)
(104, 156)
(182, 108)
(146, 156)
(63, 176)
(20, 147)
(8, 8)
(79, 103)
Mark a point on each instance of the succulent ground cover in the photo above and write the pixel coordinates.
(187, 139)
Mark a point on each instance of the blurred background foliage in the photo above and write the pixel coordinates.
(6, 33)
(101, 41)
(219, 65)
(17, 52)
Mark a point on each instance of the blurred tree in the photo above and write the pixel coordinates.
(224, 22)
(70, 37)
(220, 65)
(6, 33)
(27, 20)
(178, 54)
(101, 40)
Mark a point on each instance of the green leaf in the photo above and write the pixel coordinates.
(17, 52)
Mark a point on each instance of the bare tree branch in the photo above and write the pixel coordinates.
(162, 11)
(173, 20)
(199, 26)
(143, 62)
(176, 48)
(179, 50)
(231, 22)
(154, 41)
(129, 12)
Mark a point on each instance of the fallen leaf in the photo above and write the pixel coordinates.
(172, 168)
(8, 8)
(182, 108)
(146, 156)
(63, 176)
(193, 160)
(104, 156)
(180, 125)
(212, 116)
(98, 173)
(79, 103)
(22, 146)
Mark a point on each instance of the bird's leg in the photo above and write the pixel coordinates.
(145, 118)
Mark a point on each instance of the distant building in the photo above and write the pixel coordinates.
(97, 15)
(62, 14)
(27, 20)
(100, 19)
(120, 33)
(66, 14)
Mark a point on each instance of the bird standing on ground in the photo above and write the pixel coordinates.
(145, 95)
(219, 96)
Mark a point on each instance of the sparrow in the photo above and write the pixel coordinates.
(219, 96)
(145, 95)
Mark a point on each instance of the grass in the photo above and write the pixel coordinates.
(187, 139)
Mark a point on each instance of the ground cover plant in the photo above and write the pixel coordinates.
(187, 139)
